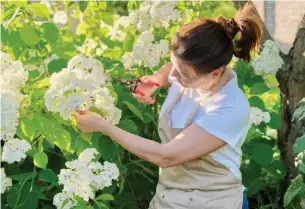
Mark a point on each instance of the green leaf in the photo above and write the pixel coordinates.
(28, 196)
(296, 188)
(80, 202)
(255, 101)
(27, 127)
(57, 65)
(40, 160)
(29, 35)
(254, 188)
(299, 145)
(278, 169)
(23, 176)
(66, 201)
(241, 68)
(86, 136)
(301, 167)
(41, 84)
(46, 124)
(262, 153)
(134, 110)
(107, 148)
(40, 10)
(108, 19)
(48, 176)
(82, 5)
(60, 137)
(128, 42)
(299, 114)
(259, 88)
(105, 197)
(50, 32)
(129, 125)
(63, 49)
(275, 121)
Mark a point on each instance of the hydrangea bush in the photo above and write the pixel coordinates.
(57, 57)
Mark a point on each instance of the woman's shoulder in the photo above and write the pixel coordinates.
(232, 99)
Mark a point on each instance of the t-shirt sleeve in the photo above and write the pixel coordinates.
(227, 122)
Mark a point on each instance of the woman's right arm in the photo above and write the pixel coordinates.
(148, 88)
(162, 75)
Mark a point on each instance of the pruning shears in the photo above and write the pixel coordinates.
(134, 85)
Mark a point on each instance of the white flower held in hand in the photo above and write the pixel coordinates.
(257, 116)
(79, 87)
(6, 182)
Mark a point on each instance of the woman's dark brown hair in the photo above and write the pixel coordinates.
(205, 44)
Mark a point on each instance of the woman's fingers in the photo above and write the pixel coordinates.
(144, 99)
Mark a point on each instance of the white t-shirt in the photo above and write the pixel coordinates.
(225, 116)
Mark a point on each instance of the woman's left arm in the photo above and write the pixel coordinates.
(189, 145)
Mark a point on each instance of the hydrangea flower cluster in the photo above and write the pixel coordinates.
(257, 116)
(83, 177)
(13, 77)
(154, 13)
(146, 52)
(269, 60)
(117, 31)
(83, 84)
(90, 45)
(6, 182)
(299, 159)
(60, 17)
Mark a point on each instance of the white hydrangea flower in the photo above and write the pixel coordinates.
(13, 75)
(111, 170)
(269, 60)
(117, 32)
(60, 17)
(257, 116)
(88, 155)
(299, 159)
(59, 199)
(9, 114)
(145, 52)
(83, 177)
(154, 14)
(81, 86)
(14, 150)
(88, 47)
(128, 60)
(6, 182)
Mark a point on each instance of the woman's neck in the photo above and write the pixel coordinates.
(214, 87)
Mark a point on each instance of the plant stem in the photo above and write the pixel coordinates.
(12, 18)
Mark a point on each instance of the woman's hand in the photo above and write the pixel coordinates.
(88, 121)
(148, 85)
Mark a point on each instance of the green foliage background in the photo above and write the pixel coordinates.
(55, 141)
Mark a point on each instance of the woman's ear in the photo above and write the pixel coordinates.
(216, 74)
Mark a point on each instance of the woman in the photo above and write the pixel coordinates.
(204, 119)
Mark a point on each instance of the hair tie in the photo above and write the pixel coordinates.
(230, 26)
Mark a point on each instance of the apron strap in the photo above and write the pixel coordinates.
(174, 101)
(202, 102)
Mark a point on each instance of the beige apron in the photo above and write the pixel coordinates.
(202, 183)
